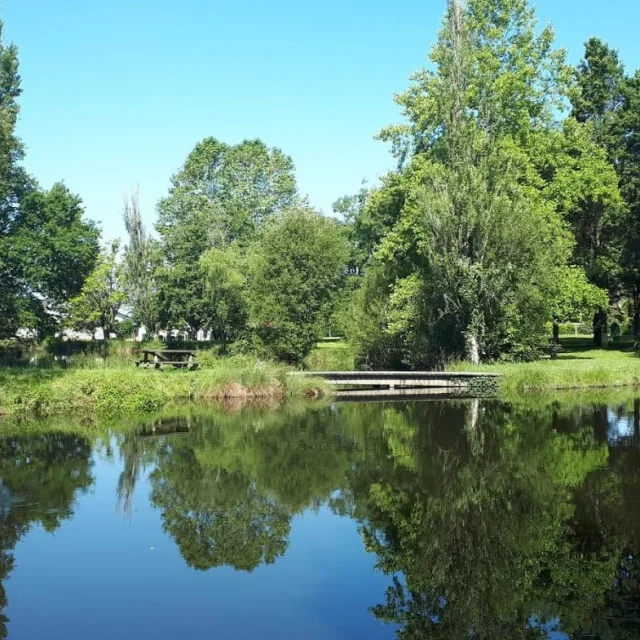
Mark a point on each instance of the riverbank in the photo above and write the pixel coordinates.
(577, 366)
(123, 390)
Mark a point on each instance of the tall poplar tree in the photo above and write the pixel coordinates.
(467, 268)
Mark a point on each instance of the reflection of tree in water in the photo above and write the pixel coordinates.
(40, 476)
(492, 523)
(616, 501)
(489, 532)
(228, 491)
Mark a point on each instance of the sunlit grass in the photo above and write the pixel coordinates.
(577, 366)
(107, 389)
(331, 356)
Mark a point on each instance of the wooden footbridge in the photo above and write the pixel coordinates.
(409, 383)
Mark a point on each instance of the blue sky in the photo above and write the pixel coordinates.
(117, 92)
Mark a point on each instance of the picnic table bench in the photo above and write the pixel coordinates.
(159, 358)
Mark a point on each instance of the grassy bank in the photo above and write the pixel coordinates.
(121, 389)
(331, 356)
(577, 366)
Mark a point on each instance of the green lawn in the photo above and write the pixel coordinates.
(578, 366)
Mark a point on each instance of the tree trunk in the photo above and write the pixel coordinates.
(473, 351)
(597, 330)
(556, 332)
(636, 317)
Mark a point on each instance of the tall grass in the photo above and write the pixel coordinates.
(331, 356)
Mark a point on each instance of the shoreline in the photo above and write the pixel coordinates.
(117, 392)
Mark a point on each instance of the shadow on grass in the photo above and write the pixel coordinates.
(23, 376)
(570, 344)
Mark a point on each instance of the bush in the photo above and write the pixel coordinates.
(125, 329)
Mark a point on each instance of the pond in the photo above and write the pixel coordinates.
(430, 519)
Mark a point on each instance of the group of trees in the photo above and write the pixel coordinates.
(502, 215)
(515, 204)
(243, 254)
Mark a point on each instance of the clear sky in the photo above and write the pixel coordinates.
(117, 92)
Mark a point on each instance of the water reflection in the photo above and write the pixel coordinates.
(40, 476)
(490, 521)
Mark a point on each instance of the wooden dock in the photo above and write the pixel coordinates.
(375, 383)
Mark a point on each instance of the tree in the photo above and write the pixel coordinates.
(627, 127)
(225, 290)
(296, 271)
(141, 260)
(465, 269)
(576, 299)
(610, 102)
(222, 194)
(582, 185)
(46, 248)
(597, 94)
(102, 295)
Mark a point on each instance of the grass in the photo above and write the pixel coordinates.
(114, 389)
(577, 366)
(331, 356)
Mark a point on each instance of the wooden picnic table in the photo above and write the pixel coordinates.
(168, 357)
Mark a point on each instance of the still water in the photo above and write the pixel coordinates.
(366, 520)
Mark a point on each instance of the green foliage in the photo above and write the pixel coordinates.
(576, 298)
(222, 194)
(46, 249)
(102, 295)
(582, 185)
(296, 271)
(125, 328)
(610, 102)
(597, 93)
(225, 290)
(467, 263)
(141, 261)
(627, 127)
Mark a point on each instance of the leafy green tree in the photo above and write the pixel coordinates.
(223, 193)
(46, 248)
(610, 102)
(598, 90)
(466, 268)
(102, 295)
(225, 289)
(576, 299)
(628, 130)
(296, 272)
(581, 183)
(141, 260)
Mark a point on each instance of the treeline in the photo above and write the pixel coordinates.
(515, 205)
